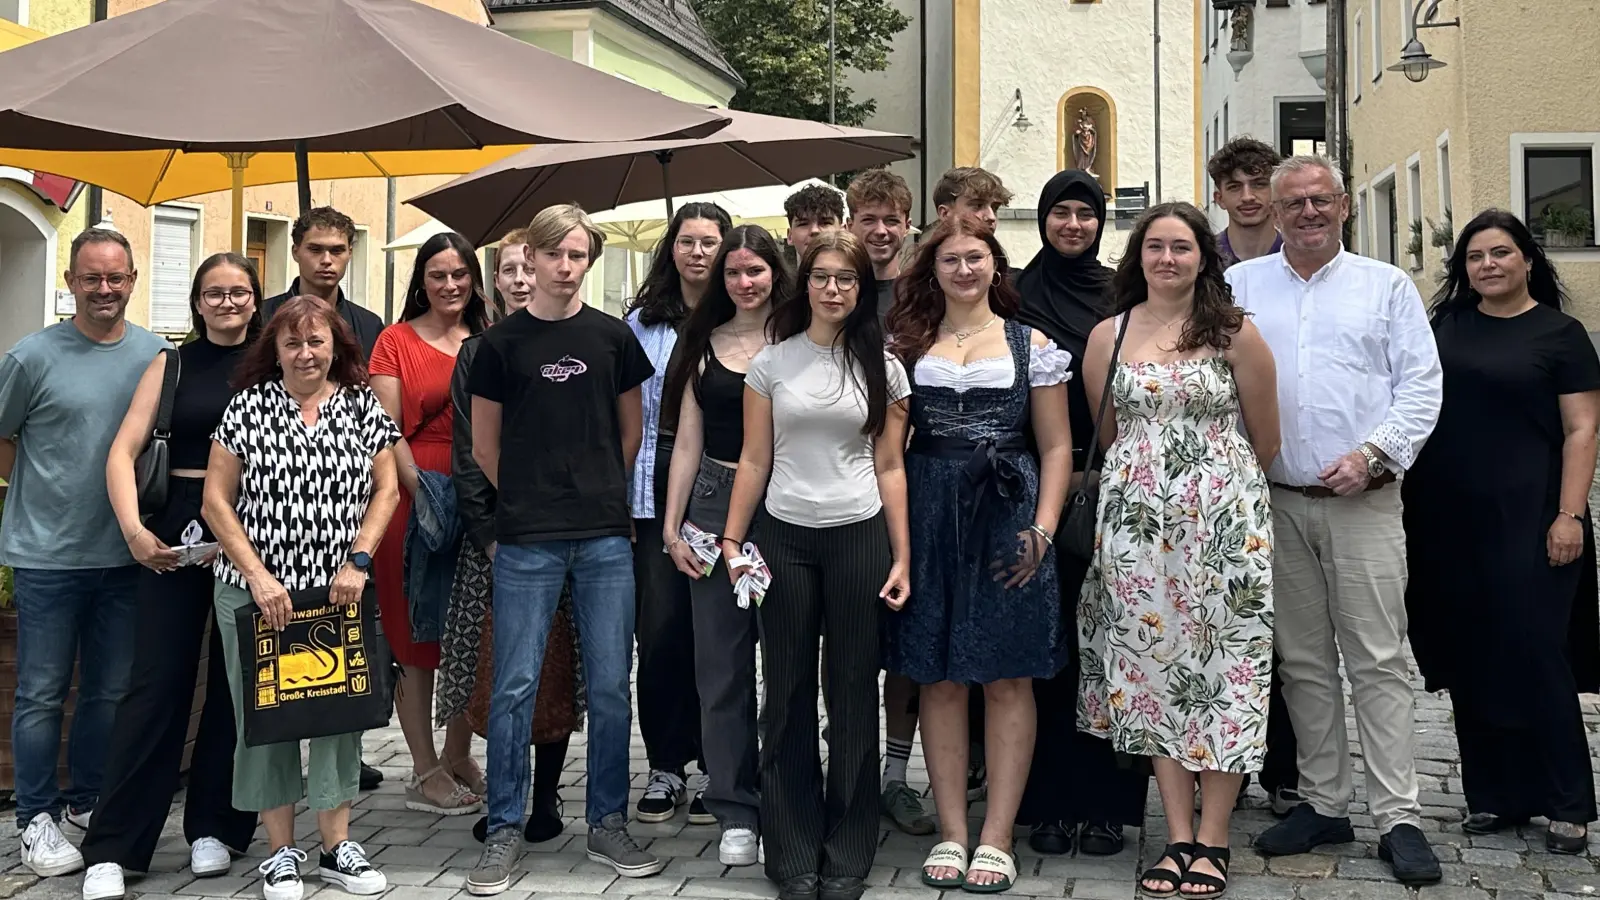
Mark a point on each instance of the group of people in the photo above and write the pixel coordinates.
(1087, 524)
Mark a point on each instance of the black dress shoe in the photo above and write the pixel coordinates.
(1405, 848)
(1303, 830)
(370, 778)
(800, 887)
(1568, 844)
(1051, 839)
(842, 887)
(1100, 839)
(1489, 823)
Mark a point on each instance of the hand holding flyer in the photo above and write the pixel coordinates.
(704, 545)
(754, 582)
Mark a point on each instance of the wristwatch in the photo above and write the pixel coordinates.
(1375, 465)
(361, 561)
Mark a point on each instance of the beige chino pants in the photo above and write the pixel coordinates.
(1339, 579)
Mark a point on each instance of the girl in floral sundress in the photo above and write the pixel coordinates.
(1175, 618)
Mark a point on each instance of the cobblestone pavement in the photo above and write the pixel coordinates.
(427, 857)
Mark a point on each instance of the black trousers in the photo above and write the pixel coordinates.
(821, 578)
(1279, 770)
(152, 721)
(669, 705)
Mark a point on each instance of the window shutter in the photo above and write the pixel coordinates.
(171, 269)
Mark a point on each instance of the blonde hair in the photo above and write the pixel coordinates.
(551, 225)
(515, 236)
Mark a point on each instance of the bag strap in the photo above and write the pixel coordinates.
(427, 420)
(169, 393)
(1105, 395)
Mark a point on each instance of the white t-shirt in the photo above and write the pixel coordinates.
(822, 468)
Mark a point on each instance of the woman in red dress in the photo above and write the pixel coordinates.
(411, 368)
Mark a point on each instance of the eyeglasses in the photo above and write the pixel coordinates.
(951, 264)
(687, 244)
(846, 281)
(116, 281)
(238, 296)
(1319, 202)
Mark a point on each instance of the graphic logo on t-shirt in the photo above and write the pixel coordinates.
(564, 368)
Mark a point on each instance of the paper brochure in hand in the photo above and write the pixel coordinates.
(704, 545)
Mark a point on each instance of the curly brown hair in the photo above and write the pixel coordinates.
(1242, 154)
(298, 315)
(919, 302)
(1215, 318)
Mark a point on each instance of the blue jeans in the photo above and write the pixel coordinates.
(527, 585)
(65, 616)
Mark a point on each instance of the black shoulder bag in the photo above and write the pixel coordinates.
(151, 469)
(1078, 527)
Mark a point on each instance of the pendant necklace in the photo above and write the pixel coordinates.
(961, 336)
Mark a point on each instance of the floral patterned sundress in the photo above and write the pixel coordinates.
(1175, 618)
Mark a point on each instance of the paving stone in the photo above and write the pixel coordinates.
(1245, 887)
(564, 883)
(1352, 890)
(1512, 879)
(413, 892)
(15, 883)
(1094, 889)
(226, 886)
(1305, 865)
(1365, 870)
(1481, 857)
(1574, 883)
(743, 889)
(1453, 892)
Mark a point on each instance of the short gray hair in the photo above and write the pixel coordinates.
(1302, 163)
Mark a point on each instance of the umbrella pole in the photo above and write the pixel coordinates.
(236, 166)
(302, 174)
(665, 158)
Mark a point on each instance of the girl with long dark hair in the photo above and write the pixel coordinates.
(669, 712)
(825, 418)
(1179, 591)
(724, 333)
(411, 368)
(981, 503)
(1499, 543)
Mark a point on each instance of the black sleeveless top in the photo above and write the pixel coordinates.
(721, 398)
(202, 396)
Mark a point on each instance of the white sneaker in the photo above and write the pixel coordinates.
(281, 875)
(46, 850)
(347, 867)
(209, 856)
(738, 847)
(80, 819)
(104, 882)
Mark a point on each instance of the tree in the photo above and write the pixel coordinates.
(780, 48)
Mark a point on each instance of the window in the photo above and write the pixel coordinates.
(1355, 62)
(1559, 200)
(1444, 174)
(1225, 131)
(1385, 215)
(1362, 205)
(173, 248)
(1210, 152)
(1416, 234)
(354, 284)
(14, 11)
(1377, 41)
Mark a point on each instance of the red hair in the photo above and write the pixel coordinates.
(919, 301)
(300, 315)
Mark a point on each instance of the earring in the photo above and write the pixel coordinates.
(996, 280)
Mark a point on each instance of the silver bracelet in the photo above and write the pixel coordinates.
(1042, 533)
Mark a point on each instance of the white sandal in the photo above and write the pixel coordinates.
(995, 860)
(946, 855)
(460, 802)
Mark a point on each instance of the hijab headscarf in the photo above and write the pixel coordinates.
(1064, 297)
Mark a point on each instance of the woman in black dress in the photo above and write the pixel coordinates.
(1077, 788)
(1502, 599)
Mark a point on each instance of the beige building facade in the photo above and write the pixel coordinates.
(1512, 121)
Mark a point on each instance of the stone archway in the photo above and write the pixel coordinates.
(1094, 106)
(27, 265)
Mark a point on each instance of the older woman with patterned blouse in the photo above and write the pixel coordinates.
(300, 487)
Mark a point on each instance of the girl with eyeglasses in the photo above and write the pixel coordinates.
(824, 437)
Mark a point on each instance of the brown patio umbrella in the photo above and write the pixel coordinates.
(312, 76)
(752, 151)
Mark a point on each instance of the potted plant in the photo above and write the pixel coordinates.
(1443, 233)
(1414, 246)
(1565, 225)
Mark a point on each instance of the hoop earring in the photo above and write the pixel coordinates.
(996, 280)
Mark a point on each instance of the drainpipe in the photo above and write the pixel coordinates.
(922, 77)
(1156, 54)
(96, 208)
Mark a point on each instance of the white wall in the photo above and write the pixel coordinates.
(27, 266)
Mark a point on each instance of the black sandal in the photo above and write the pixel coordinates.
(1176, 853)
(1218, 856)
(1570, 845)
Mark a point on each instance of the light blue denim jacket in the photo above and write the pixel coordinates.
(658, 341)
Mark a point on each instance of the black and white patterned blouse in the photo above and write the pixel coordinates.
(303, 490)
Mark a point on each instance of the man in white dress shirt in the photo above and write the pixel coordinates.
(1359, 385)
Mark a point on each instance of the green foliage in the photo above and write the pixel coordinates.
(1566, 219)
(5, 571)
(1443, 232)
(780, 48)
(1414, 246)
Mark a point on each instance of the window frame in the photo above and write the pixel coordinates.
(1580, 141)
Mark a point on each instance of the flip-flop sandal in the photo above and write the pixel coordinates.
(990, 859)
(1176, 853)
(1216, 887)
(945, 855)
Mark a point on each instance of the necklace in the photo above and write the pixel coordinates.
(962, 336)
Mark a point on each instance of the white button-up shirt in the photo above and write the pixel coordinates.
(1355, 356)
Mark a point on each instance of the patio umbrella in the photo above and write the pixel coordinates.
(320, 76)
(753, 150)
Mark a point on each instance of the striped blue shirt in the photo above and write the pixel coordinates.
(658, 341)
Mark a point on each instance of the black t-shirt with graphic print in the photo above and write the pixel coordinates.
(558, 383)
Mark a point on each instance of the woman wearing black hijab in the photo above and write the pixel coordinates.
(1077, 785)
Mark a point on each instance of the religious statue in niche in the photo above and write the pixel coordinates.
(1240, 25)
(1085, 142)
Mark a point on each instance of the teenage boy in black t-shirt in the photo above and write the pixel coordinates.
(555, 395)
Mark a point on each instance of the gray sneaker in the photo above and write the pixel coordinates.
(902, 805)
(493, 872)
(611, 844)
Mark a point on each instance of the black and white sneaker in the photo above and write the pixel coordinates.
(698, 814)
(663, 794)
(346, 865)
(281, 875)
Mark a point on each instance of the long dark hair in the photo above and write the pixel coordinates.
(1215, 318)
(861, 340)
(215, 261)
(919, 303)
(476, 315)
(297, 315)
(716, 307)
(1456, 293)
(660, 299)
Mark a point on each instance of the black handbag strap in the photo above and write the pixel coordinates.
(1105, 395)
(169, 393)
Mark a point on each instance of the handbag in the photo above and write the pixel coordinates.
(1080, 525)
(151, 468)
(328, 673)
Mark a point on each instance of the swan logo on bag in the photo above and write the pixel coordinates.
(564, 368)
